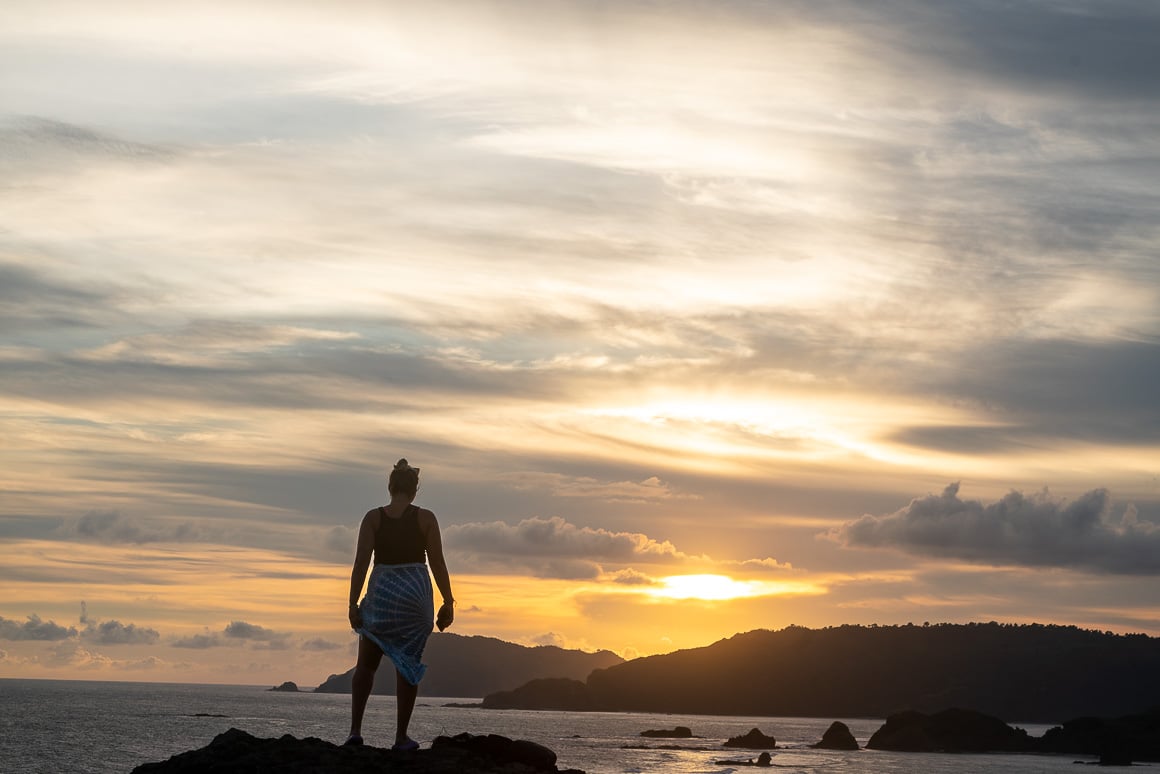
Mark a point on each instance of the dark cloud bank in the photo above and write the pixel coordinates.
(1034, 530)
(35, 629)
(237, 633)
(104, 632)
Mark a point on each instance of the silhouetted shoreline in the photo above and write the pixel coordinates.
(1114, 742)
(1026, 673)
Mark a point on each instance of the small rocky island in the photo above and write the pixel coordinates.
(837, 737)
(286, 687)
(680, 732)
(754, 740)
(236, 750)
(1115, 741)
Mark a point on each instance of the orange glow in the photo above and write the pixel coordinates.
(721, 587)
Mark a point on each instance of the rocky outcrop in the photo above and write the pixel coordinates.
(680, 732)
(552, 693)
(837, 737)
(754, 740)
(236, 750)
(286, 687)
(765, 759)
(952, 730)
(1128, 738)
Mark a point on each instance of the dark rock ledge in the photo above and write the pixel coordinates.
(680, 732)
(754, 740)
(237, 751)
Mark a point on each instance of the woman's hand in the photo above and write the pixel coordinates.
(355, 617)
(446, 615)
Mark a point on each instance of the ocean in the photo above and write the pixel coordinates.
(73, 726)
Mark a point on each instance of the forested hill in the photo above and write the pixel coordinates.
(473, 667)
(1022, 673)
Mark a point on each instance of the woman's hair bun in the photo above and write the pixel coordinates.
(403, 478)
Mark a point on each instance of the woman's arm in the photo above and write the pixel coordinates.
(362, 560)
(438, 569)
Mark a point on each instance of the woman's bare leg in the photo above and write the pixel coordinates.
(363, 681)
(405, 695)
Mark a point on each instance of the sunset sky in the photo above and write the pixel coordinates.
(851, 309)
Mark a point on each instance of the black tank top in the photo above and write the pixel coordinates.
(400, 541)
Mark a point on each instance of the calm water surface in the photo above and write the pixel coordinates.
(54, 726)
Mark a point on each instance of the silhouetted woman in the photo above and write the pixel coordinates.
(395, 615)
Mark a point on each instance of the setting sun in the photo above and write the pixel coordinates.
(714, 587)
(705, 587)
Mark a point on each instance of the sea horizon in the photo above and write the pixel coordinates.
(102, 726)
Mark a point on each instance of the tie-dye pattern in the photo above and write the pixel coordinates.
(398, 615)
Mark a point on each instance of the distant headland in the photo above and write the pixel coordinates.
(1021, 673)
(475, 666)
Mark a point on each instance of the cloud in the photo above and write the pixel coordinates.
(71, 654)
(33, 300)
(115, 527)
(550, 639)
(555, 537)
(211, 344)
(556, 548)
(650, 489)
(1034, 530)
(248, 631)
(631, 577)
(199, 641)
(1100, 52)
(1033, 392)
(553, 547)
(233, 634)
(768, 564)
(32, 136)
(340, 541)
(320, 645)
(34, 629)
(116, 633)
(75, 656)
(148, 663)
(962, 261)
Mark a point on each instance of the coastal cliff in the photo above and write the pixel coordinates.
(1030, 673)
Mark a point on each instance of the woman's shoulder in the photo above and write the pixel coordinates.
(424, 516)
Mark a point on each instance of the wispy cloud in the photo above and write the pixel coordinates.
(602, 270)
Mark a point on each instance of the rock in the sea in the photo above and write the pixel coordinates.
(287, 687)
(680, 732)
(237, 751)
(754, 740)
(1127, 738)
(837, 737)
(952, 730)
(763, 760)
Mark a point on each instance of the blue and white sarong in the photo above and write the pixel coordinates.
(398, 615)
